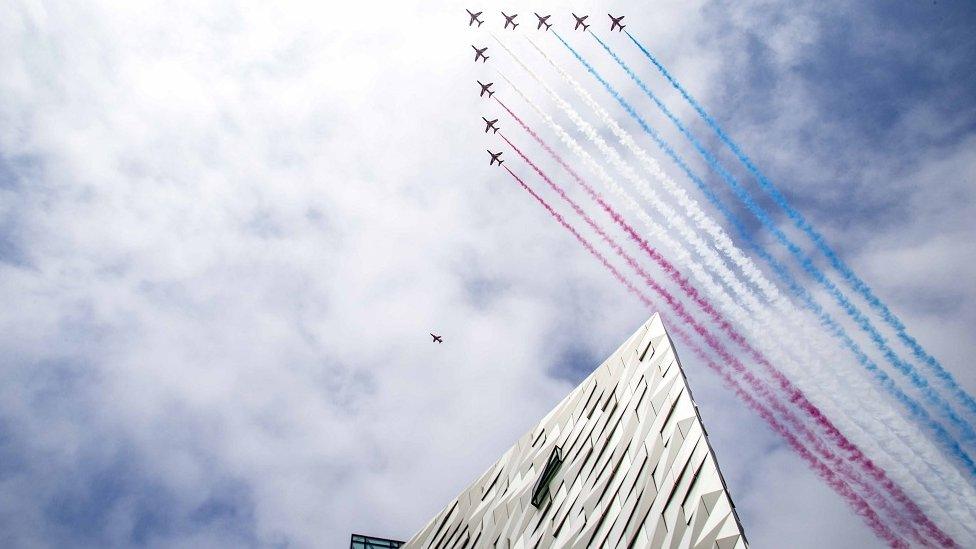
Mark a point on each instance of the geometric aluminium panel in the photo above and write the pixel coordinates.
(622, 461)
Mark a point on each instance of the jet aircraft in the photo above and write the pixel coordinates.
(579, 22)
(542, 21)
(495, 158)
(474, 18)
(615, 23)
(485, 88)
(490, 124)
(480, 53)
(510, 20)
(437, 338)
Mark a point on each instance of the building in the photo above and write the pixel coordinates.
(622, 461)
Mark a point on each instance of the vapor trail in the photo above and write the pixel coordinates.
(691, 207)
(938, 496)
(819, 468)
(834, 459)
(882, 419)
(950, 383)
(701, 248)
(905, 368)
(856, 455)
(914, 408)
(861, 507)
(946, 475)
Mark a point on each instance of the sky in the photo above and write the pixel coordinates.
(227, 227)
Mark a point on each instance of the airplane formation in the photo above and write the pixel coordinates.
(481, 54)
(616, 23)
(905, 523)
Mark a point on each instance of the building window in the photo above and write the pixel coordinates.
(541, 489)
(360, 541)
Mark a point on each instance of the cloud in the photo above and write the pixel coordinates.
(228, 227)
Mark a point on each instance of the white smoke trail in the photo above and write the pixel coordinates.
(902, 431)
(948, 475)
(690, 205)
(883, 415)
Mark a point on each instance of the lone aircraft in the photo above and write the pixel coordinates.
(480, 53)
(579, 22)
(495, 158)
(474, 18)
(510, 20)
(437, 338)
(615, 23)
(542, 21)
(485, 88)
(490, 124)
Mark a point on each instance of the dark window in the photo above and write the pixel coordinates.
(541, 489)
(360, 541)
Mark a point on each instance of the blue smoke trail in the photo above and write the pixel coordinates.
(865, 324)
(968, 402)
(914, 408)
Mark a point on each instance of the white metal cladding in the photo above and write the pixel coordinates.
(638, 470)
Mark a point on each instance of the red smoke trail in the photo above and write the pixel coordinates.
(861, 507)
(757, 385)
(796, 396)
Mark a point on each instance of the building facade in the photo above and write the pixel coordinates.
(622, 461)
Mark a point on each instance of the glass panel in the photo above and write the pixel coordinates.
(359, 541)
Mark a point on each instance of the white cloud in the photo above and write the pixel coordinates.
(238, 222)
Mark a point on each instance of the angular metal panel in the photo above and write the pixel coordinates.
(637, 469)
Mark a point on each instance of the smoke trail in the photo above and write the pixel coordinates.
(881, 418)
(700, 247)
(801, 223)
(914, 409)
(694, 212)
(862, 508)
(905, 368)
(947, 475)
(856, 455)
